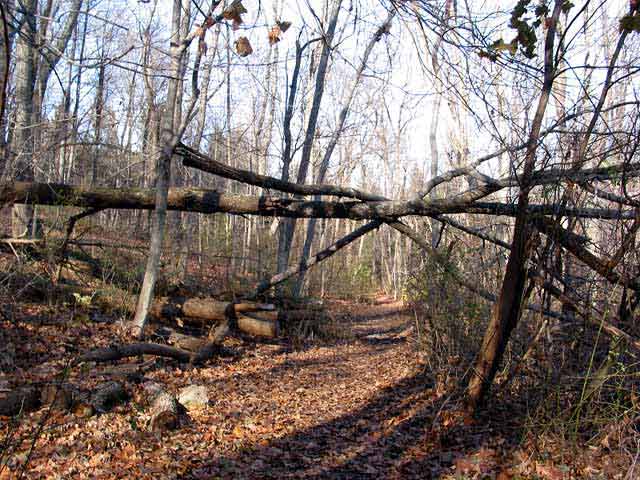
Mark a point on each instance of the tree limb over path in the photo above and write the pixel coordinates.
(202, 200)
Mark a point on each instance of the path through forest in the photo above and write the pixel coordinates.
(361, 406)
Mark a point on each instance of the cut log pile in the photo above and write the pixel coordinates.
(251, 318)
(211, 317)
(161, 409)
(65, 397)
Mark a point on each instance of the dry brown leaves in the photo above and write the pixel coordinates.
(243, 47)
(277, 30)
(345, 409)
(234, 13)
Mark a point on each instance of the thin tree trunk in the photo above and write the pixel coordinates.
(288, 227)
(5, 63)
(324, 165)
(507, 310)
(163, 173)
(98, 123)
(23, 143)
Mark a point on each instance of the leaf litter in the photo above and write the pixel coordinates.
(362, 406)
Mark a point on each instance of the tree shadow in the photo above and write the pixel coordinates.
(405, 431)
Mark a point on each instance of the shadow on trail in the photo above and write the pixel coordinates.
(399, 433)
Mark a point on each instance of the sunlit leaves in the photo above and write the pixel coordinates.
(277, 30)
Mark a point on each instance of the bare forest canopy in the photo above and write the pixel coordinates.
(512, 127)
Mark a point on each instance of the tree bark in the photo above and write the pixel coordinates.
(166, 413)
(19, 401)
(5, 64)
(507, 310)
(23, 142)
(163, 174)
(210, 201)
(288, 227)
(335, 137)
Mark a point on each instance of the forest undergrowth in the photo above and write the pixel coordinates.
(375, 393)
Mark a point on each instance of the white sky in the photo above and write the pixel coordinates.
(395, 74)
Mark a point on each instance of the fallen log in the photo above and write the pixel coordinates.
(257, 326)
(195, 312)
(19, 401)
(165, 411)
(63, 397)
(194, 159)
(204, 308)
(191, 199)
(107, 395)
(186, 342)
(118, 352)
(248, 317)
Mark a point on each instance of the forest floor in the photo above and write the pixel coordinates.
(362, 405)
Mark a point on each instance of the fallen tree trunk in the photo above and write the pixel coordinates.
(63, 397)
(186, 342)
(19, 401)
(203, 312)
(257, 326)
(107, 395)
(204, 308)
(194, 159)
(195, 312)
(210, 201)
(316, 258)
(118, 352)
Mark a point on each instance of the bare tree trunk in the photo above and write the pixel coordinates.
(163, 173)
(33, 69)
(5, 62)
(98, 123)
(288, 227)
(76, 106)
(507, 310)
(23, 144)
(324, 165)
(433, 144)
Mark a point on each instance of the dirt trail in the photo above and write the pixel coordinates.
(359, 407)
(329, 410)
(355, 408)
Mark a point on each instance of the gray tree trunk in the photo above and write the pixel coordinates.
(335, 137)
(23, 145)
(163, 173)
(288, 226)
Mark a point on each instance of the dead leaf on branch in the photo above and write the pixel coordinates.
(234, 12)
(277, 30)
(243, 47)
(284, 26)
(274, 35)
